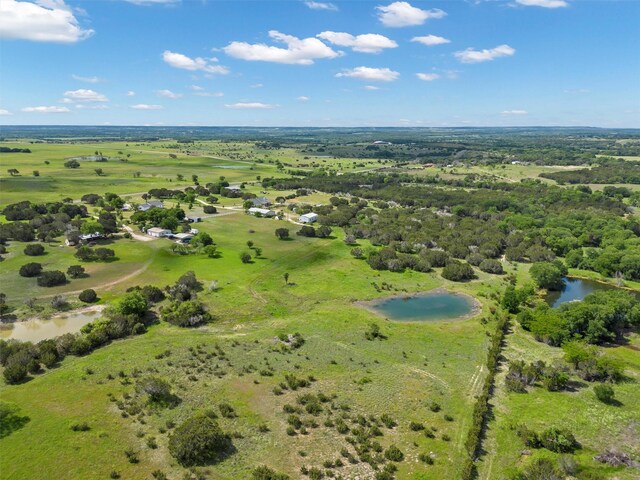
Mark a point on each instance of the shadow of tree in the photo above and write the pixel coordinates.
(10, 420)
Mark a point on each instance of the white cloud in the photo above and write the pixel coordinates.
(178, 60)
(298, 52)
(370, 74)
(92, 107)
(84, 95)
(543, 3)
(515, 112)
(476, 56)
(93, 79)
(302, 98)
(209, 94)
(403, 14)
(144, 106)
(131, 93)
(46, 110)
(371, 87)
(256, 85)
(196, 88)
(250, 105)
(428, 77)
(321, 6)
(431, 40)
(5, 112)
(43, 21)
(168, 94)
(367, 43)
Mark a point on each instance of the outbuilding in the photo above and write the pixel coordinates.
(159, 232)
(261, 212)
(308, 218)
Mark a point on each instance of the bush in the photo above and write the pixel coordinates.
(88, 296)
(558, 440)
(282, 233)
(265, 473)
(197, 441)
(30, 269)
(245, 257)
(307, 231)
(189, 313)
(75, 271)
(158, 389)
(15, 372)
(491, 266)
(604, 392)
(34, 250)
(52, 278)
(209, 209)
(393, 454)
(457, 271)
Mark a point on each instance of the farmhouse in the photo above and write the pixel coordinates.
(260, 202)
(183, 237)
(159, 232)
(308, 218)
(153, 203)
(261, 212)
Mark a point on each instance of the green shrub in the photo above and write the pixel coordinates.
(604, 393)
(88, 296)
(197, 441)
(34, 250)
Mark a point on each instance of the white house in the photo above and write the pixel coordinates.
(308, 218)
(183, 237)
(159, 232)
(263, 212)
(152, 204)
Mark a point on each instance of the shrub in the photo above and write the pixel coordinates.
(265, 473)
(88, 296)
(75, 271)
(491, 266)
(80, 427)
(558, 440)
(604, 393)
(158, 389)
(15, 372)
(393, 454)
(209, 209)
(34, 250)
(58, 302)
(189, 313)
(197, 441)
(245, 257)
(457, 271)
(32, 269)
(52, 278)
(282, 233)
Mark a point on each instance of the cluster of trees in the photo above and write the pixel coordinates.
(522, 375)
(14, 150)
(128, 316)
(109, 202)
(558, 440)
(308, 231)
(168, 218)
(609, 170)
(100, 254)
(525, 222)
(601, 317)
(185, 310)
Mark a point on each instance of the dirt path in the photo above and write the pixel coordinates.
(108, 285)
(142, 238)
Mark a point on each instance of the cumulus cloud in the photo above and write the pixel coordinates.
(371, 87)
(131, 93)
(92, 79)
(515, 112)
(83, 95)
(196, 88)
(543, 3)
(428, 77)
(403, 14)
(302, 98)
(321, 6)
(46, 110)
(298, 52)
(83, 106)
(168, 94)
(42, 21)
(476, 56)
(370, 74)
(5, 112)
(178, 60)
(144, 106)
(209, 94)
(250, 105)
(431, 40)
(367, 43)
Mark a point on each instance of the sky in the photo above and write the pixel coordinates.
(314, 63)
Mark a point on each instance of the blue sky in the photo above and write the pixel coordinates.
(297, 63)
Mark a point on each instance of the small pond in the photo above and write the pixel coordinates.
(426, 307)
(576, 289)
(36, 330)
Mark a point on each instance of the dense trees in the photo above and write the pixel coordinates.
(34, 250)
(188, 313)
(52, 278)
(30, 269)
(547, 275)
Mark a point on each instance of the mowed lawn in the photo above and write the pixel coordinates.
(418, 363)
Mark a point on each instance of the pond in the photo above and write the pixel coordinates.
(576, 289)
(426, 307)
(35, 330)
